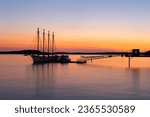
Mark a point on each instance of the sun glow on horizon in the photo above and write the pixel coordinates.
(87, 25)
(75, 43)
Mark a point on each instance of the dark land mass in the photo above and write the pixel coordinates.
(30, 52)
(25, 52)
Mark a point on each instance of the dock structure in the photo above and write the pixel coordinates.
(91, 58)
(84, 59)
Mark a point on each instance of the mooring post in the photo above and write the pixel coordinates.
(129, 62)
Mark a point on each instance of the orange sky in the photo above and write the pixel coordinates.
(75, 40)
(87, 25)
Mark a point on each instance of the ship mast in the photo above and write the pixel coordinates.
(38, 39)
(48, 43)
(52, 43)
(43, 41)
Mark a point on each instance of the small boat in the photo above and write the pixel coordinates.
(81, 61)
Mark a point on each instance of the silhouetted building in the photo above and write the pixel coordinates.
(136, 52)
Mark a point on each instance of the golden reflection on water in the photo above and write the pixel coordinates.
(108, 62)
(102, 79)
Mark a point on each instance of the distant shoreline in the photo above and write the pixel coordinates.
(28, 52)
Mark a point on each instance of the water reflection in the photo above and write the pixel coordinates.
(135, 79)
(104, 79)
(44, 80)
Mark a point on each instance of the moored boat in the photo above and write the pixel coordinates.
(48, 58)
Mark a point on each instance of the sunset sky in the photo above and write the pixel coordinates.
(79, 25)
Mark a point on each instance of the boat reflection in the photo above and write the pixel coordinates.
(45, 80)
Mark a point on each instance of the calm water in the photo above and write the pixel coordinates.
(102, 79)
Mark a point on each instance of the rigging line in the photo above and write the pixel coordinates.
(55, 47)
(32, 44)
(41, 44)
(35, 42)
(46, 45)
(35, 45)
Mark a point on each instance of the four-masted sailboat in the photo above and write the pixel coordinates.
(48, 56)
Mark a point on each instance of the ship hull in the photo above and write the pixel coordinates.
(50, 59)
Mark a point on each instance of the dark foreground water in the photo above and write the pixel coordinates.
(103, 79)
